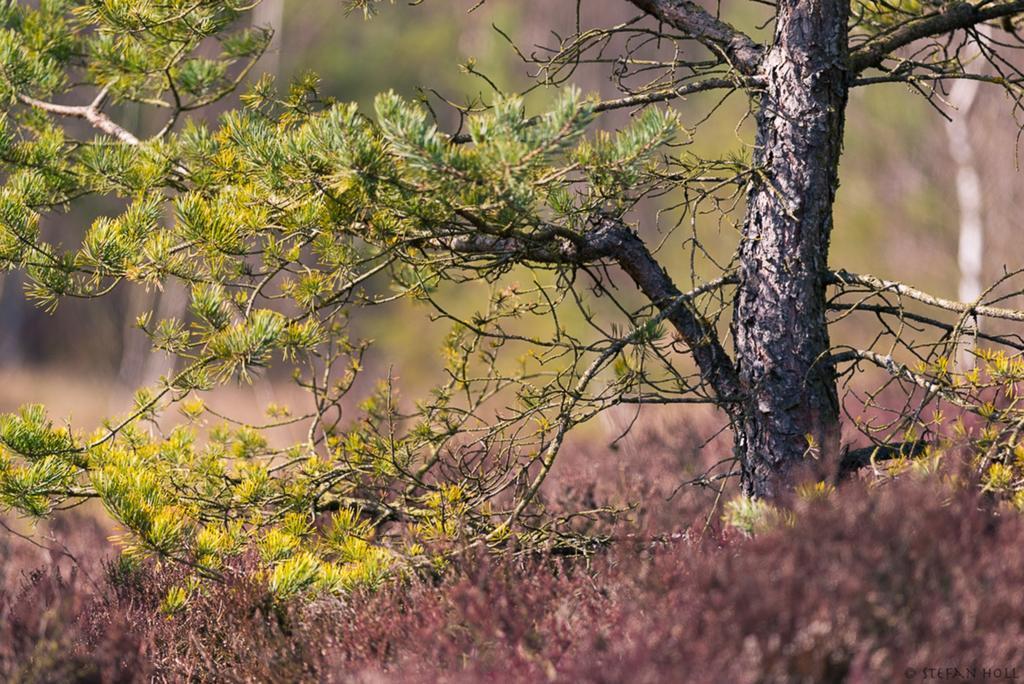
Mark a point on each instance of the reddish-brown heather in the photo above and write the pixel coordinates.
(915, 574)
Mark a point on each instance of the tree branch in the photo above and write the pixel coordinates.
(948, 18)
(645, 98)
(932, 78)
(91, 113)
(879, 285)
(486, 245)
(736, 47)
(855, 459)
(672, 93)
(897, 370)
(918, 318)
(611, 239)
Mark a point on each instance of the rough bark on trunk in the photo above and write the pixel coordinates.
(779, 322)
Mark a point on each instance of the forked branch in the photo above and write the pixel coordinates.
(947, 18)
(881, 286)
(92, 113)
(736, 47)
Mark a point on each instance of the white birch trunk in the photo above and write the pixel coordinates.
(971, 244)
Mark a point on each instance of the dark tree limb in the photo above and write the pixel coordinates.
(736, 47)
(855, 459)
(612, 240)
(948, 18)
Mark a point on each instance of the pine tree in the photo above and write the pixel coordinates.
(293, 212)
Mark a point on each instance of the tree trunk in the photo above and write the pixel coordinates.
(971, 253)
(779, 323)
